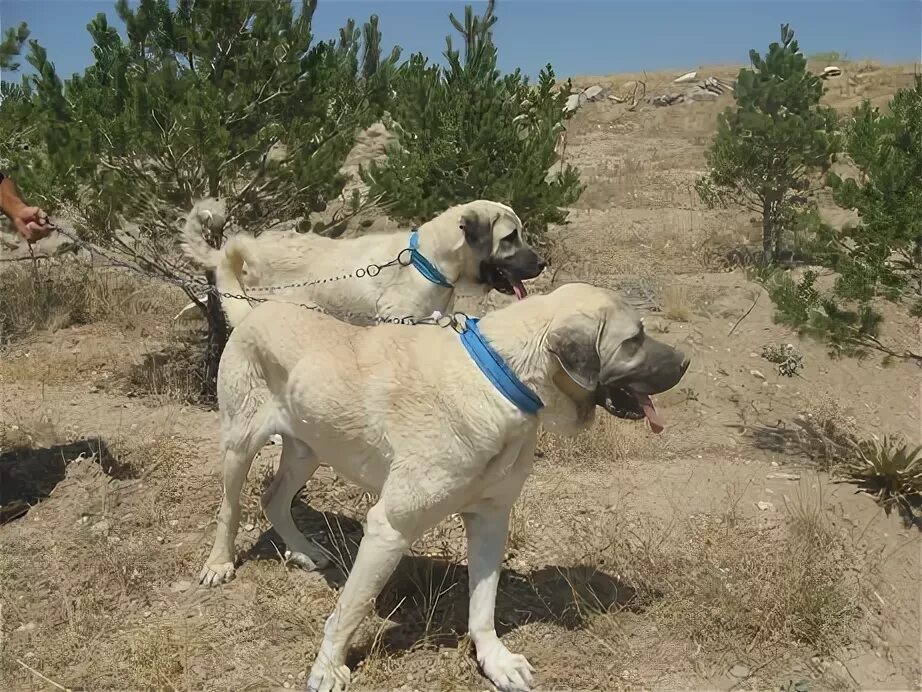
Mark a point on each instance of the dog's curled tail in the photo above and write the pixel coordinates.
(207, 217)
(229, 278)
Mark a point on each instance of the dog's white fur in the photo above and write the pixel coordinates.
(279, 258)
(405, 413)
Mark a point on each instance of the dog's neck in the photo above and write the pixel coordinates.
(521, 341)
(447, 249)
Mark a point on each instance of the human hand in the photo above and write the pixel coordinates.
(32, 223)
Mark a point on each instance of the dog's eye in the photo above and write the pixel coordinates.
(509, 238)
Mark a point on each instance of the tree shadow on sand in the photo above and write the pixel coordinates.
(427, 597)
(28, 475)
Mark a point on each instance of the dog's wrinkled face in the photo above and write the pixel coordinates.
(604, 350)
(504, 260)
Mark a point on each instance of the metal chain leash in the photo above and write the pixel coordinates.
(201, 287)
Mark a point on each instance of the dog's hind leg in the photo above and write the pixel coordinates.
(296, 466)
(240, 448)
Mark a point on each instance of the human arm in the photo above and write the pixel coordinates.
(31, 222)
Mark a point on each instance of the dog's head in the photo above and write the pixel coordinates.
(601, 356)
(499, 257)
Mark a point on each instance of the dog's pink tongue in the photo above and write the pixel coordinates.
(519, 288)
(649, 410)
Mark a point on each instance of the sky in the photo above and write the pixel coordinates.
(578, 37)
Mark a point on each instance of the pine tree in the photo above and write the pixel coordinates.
(467, 132)
(881, 255)
(767, 148)
(229, 98)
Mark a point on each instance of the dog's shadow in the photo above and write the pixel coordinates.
(427, 597)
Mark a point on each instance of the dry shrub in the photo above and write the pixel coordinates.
(677, 304)
(174, 372)
(827, 433)
(608, 439)
(731, 587)
(60, 293)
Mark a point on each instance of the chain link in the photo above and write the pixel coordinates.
(202, 288)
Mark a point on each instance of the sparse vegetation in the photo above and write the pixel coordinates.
(634, 561)
(785, 356)
(881, 255)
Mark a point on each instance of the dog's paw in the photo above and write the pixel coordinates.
(214, 574)
(508, 671)
(310, 563)
(326, 677)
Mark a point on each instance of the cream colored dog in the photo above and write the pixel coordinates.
(478, 245)
(429, 420)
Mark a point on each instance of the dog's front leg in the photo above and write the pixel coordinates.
(379, 553)
(486, 526)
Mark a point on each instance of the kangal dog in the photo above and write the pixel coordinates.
(478, 245)
(432, 420)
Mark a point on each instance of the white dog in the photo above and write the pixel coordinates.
(478, 245)
(434, 421)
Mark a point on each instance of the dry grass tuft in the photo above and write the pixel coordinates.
(174, 372)
(609, 439)
(677, 304)
(54, 294)
(730, 587)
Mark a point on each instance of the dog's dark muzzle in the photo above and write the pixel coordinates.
(506, 274)
(661, 368)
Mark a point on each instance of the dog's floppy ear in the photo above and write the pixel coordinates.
(478, 232)
(575, 344)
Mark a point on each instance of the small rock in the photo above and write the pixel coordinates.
(740, 671)
(174, 522)
(180, 586)
(784, 476)
(574, 101)
(100, 527)
(593, 93)
(147, 613)
(687, 77)
(756, 373)
(701, 95)
(764, 506)
(248, 527)
(25, 627)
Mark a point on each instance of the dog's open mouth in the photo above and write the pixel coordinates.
(501, 280)
(631, 405)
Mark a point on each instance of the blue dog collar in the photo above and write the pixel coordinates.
(495, 369)
(424, 266)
